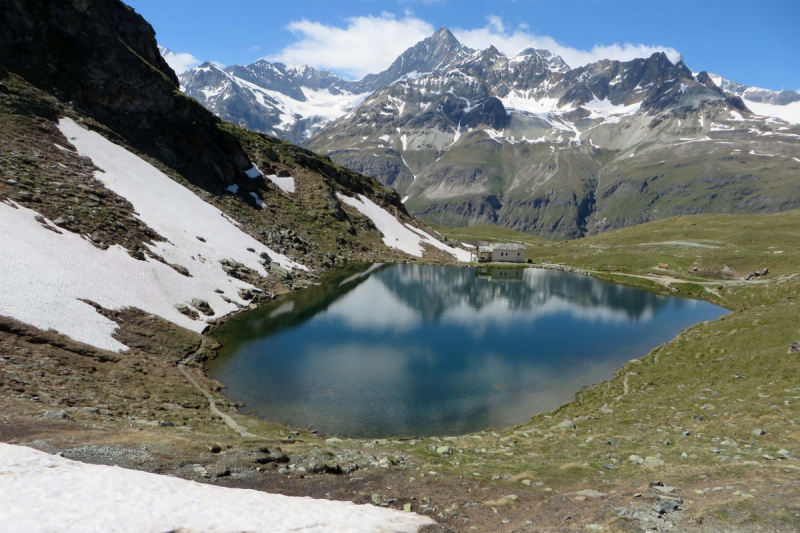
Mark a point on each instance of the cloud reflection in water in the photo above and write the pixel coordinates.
(420, 350)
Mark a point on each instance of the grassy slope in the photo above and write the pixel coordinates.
(735, 373)
(488, 233)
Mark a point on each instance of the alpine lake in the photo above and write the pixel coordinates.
(407, 350)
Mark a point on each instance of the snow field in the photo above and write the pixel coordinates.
(789, 112)
(406, 238)
(43, 274)
(43, 493)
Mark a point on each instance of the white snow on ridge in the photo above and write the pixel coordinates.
(395, 234)
(788, 112)
(44, 493)
(43, 274)
(522, 101)
(605, 109)
(320, 103)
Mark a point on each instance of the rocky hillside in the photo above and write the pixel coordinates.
(528, 143)
(147, 199)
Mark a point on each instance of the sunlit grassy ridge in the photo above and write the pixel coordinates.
(488, 233)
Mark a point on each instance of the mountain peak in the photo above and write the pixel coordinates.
(208, 65)
(444, 34)
(432, 53)
(552, 61)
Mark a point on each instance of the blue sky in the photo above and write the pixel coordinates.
(754, 43)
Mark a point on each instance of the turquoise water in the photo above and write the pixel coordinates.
(410, 350)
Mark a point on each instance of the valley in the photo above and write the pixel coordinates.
(688, 410)
(145, 217)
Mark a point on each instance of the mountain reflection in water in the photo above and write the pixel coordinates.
(412, 350)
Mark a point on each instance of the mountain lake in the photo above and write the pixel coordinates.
(411, 350)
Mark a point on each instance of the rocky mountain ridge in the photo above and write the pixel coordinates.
(527, 142)
(294, 102)
(510, 141)
(756, 94)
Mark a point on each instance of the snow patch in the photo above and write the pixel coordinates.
(46, 493)
(44, 274)
(395, 234)
(253, 172)
(285, 184)
(606, 110)
(258, 200)
(788, 112)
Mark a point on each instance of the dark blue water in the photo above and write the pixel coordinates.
(408, 350)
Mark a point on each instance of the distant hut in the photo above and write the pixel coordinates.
(502, 253)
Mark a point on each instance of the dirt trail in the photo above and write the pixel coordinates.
(238, 428)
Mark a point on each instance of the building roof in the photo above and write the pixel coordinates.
(508, 246)
(484, 248)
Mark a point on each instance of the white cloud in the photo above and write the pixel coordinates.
(366, 45)
(511, 42)
(181, 62)
(369, 44)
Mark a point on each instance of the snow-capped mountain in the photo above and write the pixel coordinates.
(293, 103)
(473, 136)
(553, 61)
(529, 143)
(756, 94)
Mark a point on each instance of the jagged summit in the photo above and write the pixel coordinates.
(436, 52)
(755, 94)
(444, 35)
(554, 62)
(528, 143)
(294, 102)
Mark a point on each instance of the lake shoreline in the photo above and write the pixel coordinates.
(626, 416)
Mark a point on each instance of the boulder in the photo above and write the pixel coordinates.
(279, 271)
(202, 306)
(591, 493)
(756, 274)
(182, 270)
(566, 424)
(186, 310)
(55, 415)
(653, 462)
(665, 506)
